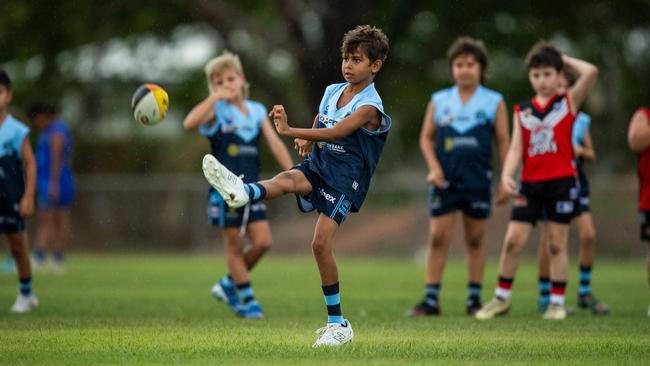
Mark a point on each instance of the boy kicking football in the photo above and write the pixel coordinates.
(342, 150)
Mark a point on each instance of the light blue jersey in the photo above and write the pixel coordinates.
(234, 137)
(580, 128)
(348, 164)
(464, 134)
(12, 135)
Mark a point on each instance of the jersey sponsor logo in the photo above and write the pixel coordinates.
(327, 196)
(461, 142)
(229, 128)
(328, 122)
(336, 148)
(234, 150)
(355, 185)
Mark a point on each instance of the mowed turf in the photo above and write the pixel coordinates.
(144, 309)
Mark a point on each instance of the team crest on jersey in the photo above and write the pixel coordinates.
(542, 141)
(481, 117)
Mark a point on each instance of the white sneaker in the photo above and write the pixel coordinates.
(24, 303)
(229, 186)
(334, 335)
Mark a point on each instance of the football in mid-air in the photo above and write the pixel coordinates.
(149, 104)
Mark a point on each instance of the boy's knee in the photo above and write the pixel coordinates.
(438, 239)
(320, 245)
(474, 242)
(263, 245)
(555, 249)
(588, 238)
(513, 246)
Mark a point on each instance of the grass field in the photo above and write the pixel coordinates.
(142, 310)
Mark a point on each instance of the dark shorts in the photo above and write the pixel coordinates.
(10, 219)
(44, 202)
(645, 225)
(220, 215)
(556, 199)
(474, 203)
(322, 198)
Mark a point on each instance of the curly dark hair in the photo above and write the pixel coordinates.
(370, 40)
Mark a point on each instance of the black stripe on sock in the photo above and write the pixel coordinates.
(334, 310)
(330, 290)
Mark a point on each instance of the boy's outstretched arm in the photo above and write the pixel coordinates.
(345, 127)
(277, 147)
(29, 166)
(585, 83)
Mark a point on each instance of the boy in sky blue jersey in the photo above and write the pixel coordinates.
(460, 124)
(342, 150)
(17, 190)
(234, 125)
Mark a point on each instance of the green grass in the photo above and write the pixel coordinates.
(142, 310)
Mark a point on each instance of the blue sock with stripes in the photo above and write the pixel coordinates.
(431, 292)
(473, 293)
(245, 292)
(226, 281)
(544, 284)
(585, 280)
(333, 302)
(26, 286)
(256, 192)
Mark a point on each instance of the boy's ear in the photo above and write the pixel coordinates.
(376, 66)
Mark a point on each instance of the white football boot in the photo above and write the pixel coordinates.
(229, 186)
(25, 303)
(334, 335)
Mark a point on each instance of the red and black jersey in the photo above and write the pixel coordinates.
(644, 173)
(546, 135)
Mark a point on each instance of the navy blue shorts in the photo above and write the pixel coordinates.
(322, 198)
(474, 203)
(10, 219)
(220, 215)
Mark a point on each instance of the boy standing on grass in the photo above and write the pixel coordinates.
(459, 126)
(17, 190)
(342, 150)
(542, 141)
(584, 151)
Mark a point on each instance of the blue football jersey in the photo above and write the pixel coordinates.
(12, 182)
(348, 163)
(235, 137)
(464, 134)
(43, 151)
(580, 128)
